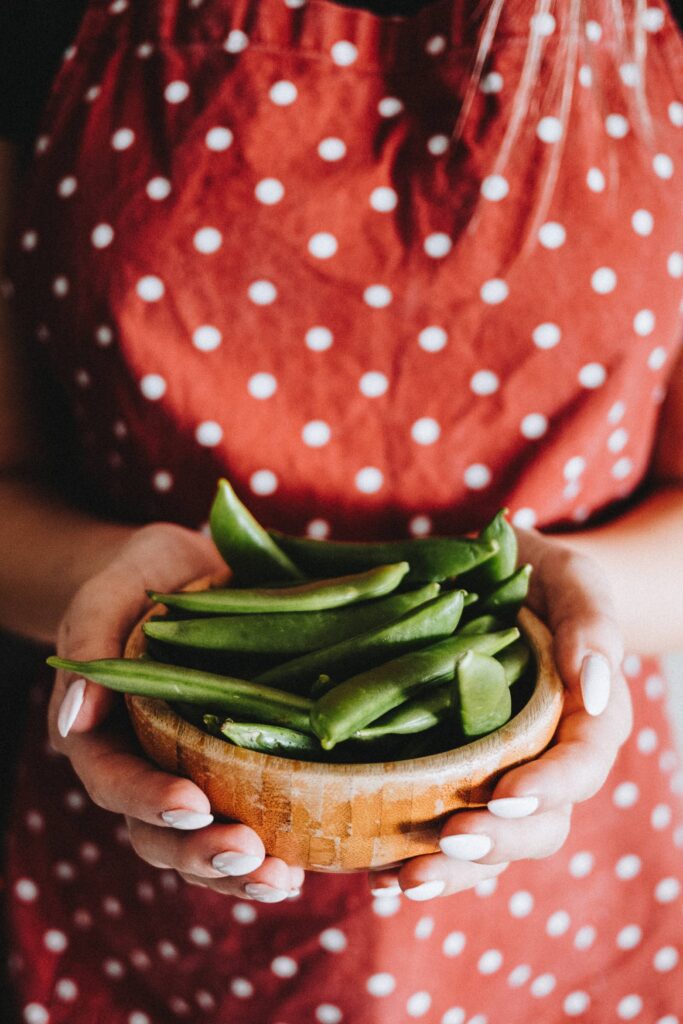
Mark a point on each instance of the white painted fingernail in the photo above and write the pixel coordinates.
(426, 891)
(236, 863)
(265, 893)
(513, 806)
(70, 706)
(595, 683)
(186, 820)
(466, 846)
(387, 890)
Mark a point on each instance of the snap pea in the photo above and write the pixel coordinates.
(271, 739)
(304, 597)
(357, 701)
(430, 558)
(482, 624)
(427, 623)
(503, 563)
(321, 685)
(285, 633)
(515, 660)
(171, 682)
(510, 593)
(416, 715)
(244, 544)
(484, 700)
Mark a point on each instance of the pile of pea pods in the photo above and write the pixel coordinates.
(338, 651)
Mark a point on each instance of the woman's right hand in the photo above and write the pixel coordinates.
(169, 818)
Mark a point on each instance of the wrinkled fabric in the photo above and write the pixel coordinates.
(251, 244)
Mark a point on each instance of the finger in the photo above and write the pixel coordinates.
(482, 837)
(221, 851)
(384, 883)
(574, 768)
(424, 878)
(271, 883)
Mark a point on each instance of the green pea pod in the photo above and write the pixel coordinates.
(482, 624)
(484, 701)
(171, 682)
(427, 623)
(305, 597)
(360, 700)
(271, 739)
(515, 660)
(321, 685)
(510, 594)
(244, 544)
(430, 558)
(416, 715)
(503, 563)
(284, 633)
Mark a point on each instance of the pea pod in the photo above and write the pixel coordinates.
(431, 621)
(502, 564)
(271, 739)
(360, 700)
(244, 544)
(483, 694)
(430, 558)
(285, 633)
(304, 597)
(515, 660)
(171, 682)
(509, 595)
(482, 624)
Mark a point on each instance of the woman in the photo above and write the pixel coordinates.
(310, 248)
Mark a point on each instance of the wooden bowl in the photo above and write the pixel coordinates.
(348, 817)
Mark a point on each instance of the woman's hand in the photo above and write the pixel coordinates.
(530, 813)
(169, 818)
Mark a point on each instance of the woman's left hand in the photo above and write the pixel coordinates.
(529, 815)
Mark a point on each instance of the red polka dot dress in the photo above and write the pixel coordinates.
(300, 245)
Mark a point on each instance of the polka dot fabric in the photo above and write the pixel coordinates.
(249, 244)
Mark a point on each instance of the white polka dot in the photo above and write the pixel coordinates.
(543, 24)
(616, 126)
(42, 144)
(549, 129)
(628, 867)
(630, 74)
(327, 1013)
(494, 291)
(674, 264)
(333, 940)
(491, 83)
(113, 968)
(26, 890)
(34, 1013)
(592, 375)
(495, 187)
(207, 240)
(454, 1015)
(676, 113)
(144, 50)
(284, 966)
(453, 944)
(477, 476)
(437, 245)
(200, 936)
(153, 386)
(283, 93)
(420, 526)
(665, 959)
(435, 45)
(82, 378)
(269, 191)
(378, 296)
(158, 188)
(622, 468)
(525, 518)
(386, 906)
(373, 384)
(652, 19)
(138, 1017)
(425, 430)
(60, 286)
(585, 76)
(66, 989)
(118, 6)
(205, 1000)
(534, 425)
(432, 339)
(603, 280)
(663, 166)
(574, 467)
(102, 236)
(657, 358)
(150, 288)
(669, 889)
(318, 339)
(629, 936)
(558, 923)
(74, 800)
(176, 92)
(667, 759)
(546, 335)
(29, 240)
(552, 235)
(519, 976)
(332, 149)
(383, 199)
(625, 795)
(263, 481)
(521, 903)
(644, 322)
(64, 871)
(236, 41)
(576, 1003)
(67, 186)
(490, 961)
(595, 180)
(484, 382)
(206, 338)
(438, 144)
(244, 913)
(593, 30)
(585, 937)
(389, 106)
(617, 440)
(241, 988)
(647, 741)
(424, 928)
(543, 985)
(344, 53)
(122, 139)
(369, 480)
(162, 481)
(581, 864)
(322, 245)
(219, 139)
(262, 293)
(209, 433)
(654, 687)
(669, 1019)
(631, 665)
(316, 433)
(167, 950)
(418, 1004)
(382, 984)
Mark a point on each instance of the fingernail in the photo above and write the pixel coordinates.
(236, 863)
(186, 820)
(293, 894)
(264, 893)
(513, 806)
(387, 890)
(595, 683)
(70, 706)
(466, 847)
(426, 891)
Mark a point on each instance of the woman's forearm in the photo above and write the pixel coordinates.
(47, 550)
(641, 553)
